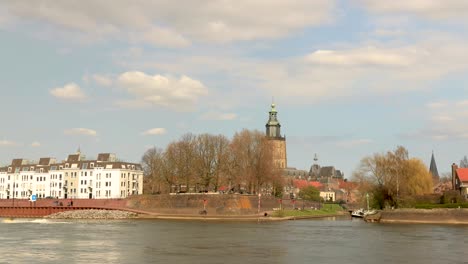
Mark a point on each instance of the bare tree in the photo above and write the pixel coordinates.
(152, 162)
(206, 162)
(253, 154)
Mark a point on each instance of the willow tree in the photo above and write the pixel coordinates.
(393, 175)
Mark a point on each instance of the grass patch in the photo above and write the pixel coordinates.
(448, 205)
(327, 209)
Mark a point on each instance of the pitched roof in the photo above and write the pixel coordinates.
(463, 174)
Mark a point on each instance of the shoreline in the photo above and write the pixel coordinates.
(444, 216)
(142, 215)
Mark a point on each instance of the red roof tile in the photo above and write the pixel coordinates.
(463, 174)
(304, 183)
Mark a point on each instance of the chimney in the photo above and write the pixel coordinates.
(454, 175)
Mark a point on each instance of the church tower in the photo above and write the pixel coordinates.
(433, 168)
(273, 133)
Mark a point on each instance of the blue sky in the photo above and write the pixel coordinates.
(350, 78)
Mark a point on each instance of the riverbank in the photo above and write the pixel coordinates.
(421, 216)
(117, 214)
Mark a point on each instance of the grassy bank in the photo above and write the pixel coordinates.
(449, 205)
(327, 209)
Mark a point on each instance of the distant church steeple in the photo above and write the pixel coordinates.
(433, 168)
(273, 127)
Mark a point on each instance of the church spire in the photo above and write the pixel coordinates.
(433, 168)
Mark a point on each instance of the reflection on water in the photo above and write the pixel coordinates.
(330, 240)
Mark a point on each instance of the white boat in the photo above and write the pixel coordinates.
(358, 213)
(361, 213)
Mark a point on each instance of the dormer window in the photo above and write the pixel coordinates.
(91, 165)
(60, 167)
(67, 165)
(9, 169)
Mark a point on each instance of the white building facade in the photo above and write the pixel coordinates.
(76, 177)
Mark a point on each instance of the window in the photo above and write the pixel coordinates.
(53, 168)
(9, 169)
(91, 165)
(67, 165)
(84, 166)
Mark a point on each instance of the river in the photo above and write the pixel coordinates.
(321, 241)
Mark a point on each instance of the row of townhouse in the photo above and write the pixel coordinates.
(102, 178)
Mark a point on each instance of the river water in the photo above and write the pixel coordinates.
(329, 240)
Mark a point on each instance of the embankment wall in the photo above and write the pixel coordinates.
(216, 204)
(429, 216)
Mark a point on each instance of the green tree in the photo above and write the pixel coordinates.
(310, 193)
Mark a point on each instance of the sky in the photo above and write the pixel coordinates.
(350, 78)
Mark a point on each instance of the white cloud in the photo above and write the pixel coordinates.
(166, 23)
(179, 94)
(434, 105)
(353, 143)
(462, 103)
(35, 144)
(70, 91)
(442, 118)
(369, 56)
(102, 80)
(218, 116)
(344, 72)
(162, 37)
(81, 131)
(444, 122)
(431, 9)
(155, 131)
(389, 32)
(7, 143)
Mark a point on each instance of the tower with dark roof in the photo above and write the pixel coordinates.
(278, 142)
(433, 168)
